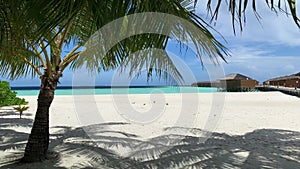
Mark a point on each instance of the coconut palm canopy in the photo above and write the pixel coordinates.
(30, 28)
(34, 33)
(36, 43)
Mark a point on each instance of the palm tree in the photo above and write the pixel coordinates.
(21, 109)
(34, 34)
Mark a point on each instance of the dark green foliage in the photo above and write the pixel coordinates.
(8, 97)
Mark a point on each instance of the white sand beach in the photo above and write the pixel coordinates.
(213, 130)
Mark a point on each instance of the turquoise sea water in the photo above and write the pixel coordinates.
(140, 90)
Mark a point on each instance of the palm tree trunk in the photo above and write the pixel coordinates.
(38, 142)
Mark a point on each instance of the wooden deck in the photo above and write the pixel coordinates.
(286, 90)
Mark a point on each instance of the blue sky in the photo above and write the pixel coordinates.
(265, 50)
(261, 51)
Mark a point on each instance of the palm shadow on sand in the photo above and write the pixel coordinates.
(10, 137)
(264, 148)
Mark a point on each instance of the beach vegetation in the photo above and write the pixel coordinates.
(21, 109)
(9, 97)
(34, 34)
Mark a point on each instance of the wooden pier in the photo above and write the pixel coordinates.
(286, 90)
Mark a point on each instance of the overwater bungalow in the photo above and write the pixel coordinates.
(237, 82)
(231, 82)
(292, 81)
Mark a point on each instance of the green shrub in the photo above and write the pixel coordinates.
(8, 97)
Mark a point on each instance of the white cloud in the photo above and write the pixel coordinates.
(260, 64)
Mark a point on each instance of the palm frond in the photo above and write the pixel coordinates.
(237, 9)
(18, 57)
(125, 36)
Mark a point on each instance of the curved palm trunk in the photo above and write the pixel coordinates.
(38, 142)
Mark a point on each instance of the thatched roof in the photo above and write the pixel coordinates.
(236, 76)
(293, 76)
(297, 74)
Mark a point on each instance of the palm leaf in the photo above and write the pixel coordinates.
(237, 9)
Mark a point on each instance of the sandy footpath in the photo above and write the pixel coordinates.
(235, 130)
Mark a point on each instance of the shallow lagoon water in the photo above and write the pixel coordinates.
(131, 90)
